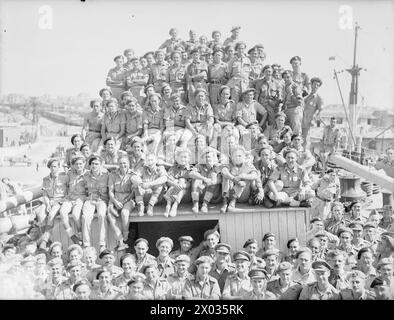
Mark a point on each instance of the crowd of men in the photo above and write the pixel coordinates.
(205, 121)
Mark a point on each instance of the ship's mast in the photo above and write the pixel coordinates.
(354, 72)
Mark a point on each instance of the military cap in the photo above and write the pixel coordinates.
(76, 157)
(50, 161)
(100, 271)
(179, 151)
(259, 45)
(335, 253)
(357, 274)
(105, 253)
(385, 261)
(356, 226)
(94, 158)
(204, 259)
(377, 282)
(285, 265)
(185, 238)
(316, 79)
(54, 244)
(182, 258)
(369, 225)
(223, 247)
(342, 230)
(250, 241)
(200, 90)
(209, 232)
(315, 219)
(118, 57)
(270, 252)
(223, 88)
(159, 51)
(164, 239)
(239, 44)
(175, 95)
(291, 150)
(280, 114)
(249, 90)
(141, 240)
(8, 246)
(303, 250)
(148, 265)
(137, 277)
(105, 89)
(257, 273)
(124, 257)
(295, 58)
(75, 136)
(363, 250)
(73, 264)
(75, 247)
(320, 234)
(259, 261)
(134, 59)
(321, 266)
(215, 31)
(291, 241)
(252, 123)
(80, 283)
(218, 50)
(55, 261)
(268, 235)
(194, 50)
(28, 259)
(148, 86)
(155, 94)
(126, 51)
(149, 53)
(235, 28)
(172, 30)
(251, 49)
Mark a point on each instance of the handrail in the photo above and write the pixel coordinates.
(20, 199)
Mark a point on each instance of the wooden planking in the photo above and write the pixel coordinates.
(248, 226)
(283, 234)
(301, 227)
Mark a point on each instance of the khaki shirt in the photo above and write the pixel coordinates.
(293, 179)
(313, 103)
(153, 118)
(202, 289)
(97, 186)
(177, 284)
(199, 114)
(225, 113)
(55, 188)
(117, 74)
(347, 294)
(76, 185)
(158, 291)
(175, 117)
(221, 276)
(113, 293)
(292, 292)
(166, 267)
(112, 158)
(176, 75)
(113, 122)
(248, 112)
(133, 120)
(311, 292)
(158, 73)
(304, 279)
(120, 185)
(264, 296)
(235, 286)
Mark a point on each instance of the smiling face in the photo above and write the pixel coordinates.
(212, 240)
(269, 243)
(238, 157)
(248, 97)
(56, 252)
(154, 101)
(83, 292)
(285, 276)
(242, 266)
(124, 164)
(136, 288)
(304, 261)
(96, 107)
(79, 165)
(271, 261)
(105, 279)
(151, 274)
(86, 151)
(105, 95)
(252, 249)
(129, 265)
(183, 158)
(322, 276)
(200, 98)
(164, 249)
(182, 267)
(110, 146)
(291, 159)
(293, 247)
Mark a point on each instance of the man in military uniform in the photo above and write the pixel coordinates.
(234, 38)
(82, 290)
(105, 290)
(192, 42)
(222, 267)
(211, 238)
(136, 80)
(178, 279)
(141, 255)
(128, 265)
(312, 109)
(165, 264)
(204, 286)
(196, 75)
(258, 278)
(358, 241)
(155, 288)
(158, 71)
(284, 288)
(338, 276)
(321, 289)
(357, 290)
(217, 76)
(54, 191)
(271, 258)
(169, 44)
(238, 70)
(251, 246)
(387, 164)
(108, 258)
(365, 259)
(381, 289)
(299, 77)
(54, 281)
(330, 141)
(304, 273)
(116, 77)
(345, 236)
(65, 291)
(114, 123)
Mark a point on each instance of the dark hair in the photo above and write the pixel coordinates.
(74, 136)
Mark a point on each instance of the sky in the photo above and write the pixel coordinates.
(75, 54)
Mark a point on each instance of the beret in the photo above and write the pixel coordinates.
(126, 51)
(164, 239)
(118, 57)
(135, 140)
(356, 226)
(54, 244)
(209, 232)
(204, 259)
(200, 90)
(321, 266)
(175, 95)
(385, 261)
(357, 274)
(50, 161)
(148, 86)
(280, 114)
(268, 235)
(194, 50)
(291, 150)
(315, 219)
(74, 136)
(137, 277)
(80, 283)
(94, 158)
(316, 79)
(148, 265)
(223, 247)
(105, 89)
(249, 90)
(334, 253)
(270, 252)
(249, 241)
(75, 247)
(228, 47)
(124, 257)
(377, 282)
(218, 50)
(141, 240)
(235, 28)
(76, 157)
(303, 250)
(155, 94)
(363, 250)
(105, 253)
(342, 230)
(159, 51)
(252, 123)
(100, 271)
(295, 58)
(73, 264)
(369, 225)
(321, 234)
(55, 261)
(185, 238)
(285, 265)
(259, 45)
(290, 241)
(182, 258)
(251, 49)
(257, 273)
(223, 88)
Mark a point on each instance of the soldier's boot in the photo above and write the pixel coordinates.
(168, 208)
(195, 207)
(174, 209)
(141, 208)
(231, 205)
(149, 210)
(223, 209)
(204, 207)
